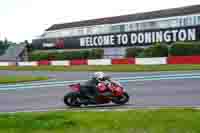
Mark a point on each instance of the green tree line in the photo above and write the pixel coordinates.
(157, 50)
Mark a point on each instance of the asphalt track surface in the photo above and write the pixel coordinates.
(158, 93)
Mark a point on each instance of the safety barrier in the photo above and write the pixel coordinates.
(79, 62)
(33, 63)
(60, 63)
(139, 61)
(7, 63)
(100, 62)
(123, 61)
(44, 63)
(183, 60)
(151, 61)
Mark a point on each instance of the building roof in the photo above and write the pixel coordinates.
(131, 17)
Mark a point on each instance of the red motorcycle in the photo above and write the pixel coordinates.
(119, 95)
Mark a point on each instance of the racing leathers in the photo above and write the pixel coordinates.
(90, 90)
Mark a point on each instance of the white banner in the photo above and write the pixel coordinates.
(151, 61)
(100, 62)
(6, 63)
(141, 38)
(48, 45)
(33, 63)
(60, 63)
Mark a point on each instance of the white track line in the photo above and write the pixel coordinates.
(104, 109)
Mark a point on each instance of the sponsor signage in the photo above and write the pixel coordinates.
(139, 38)
(48, 45)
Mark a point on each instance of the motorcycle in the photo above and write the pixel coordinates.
(119, 95)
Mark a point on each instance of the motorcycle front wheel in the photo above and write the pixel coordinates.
(121, 99)
(72, 99)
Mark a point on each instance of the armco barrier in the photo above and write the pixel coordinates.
(100, 62)
(60, 63)
(139, 61)
(123, 61)
(79, 62)
(44, 63)
(151, 61)
(7, 63)
(33, 63)
(183, 60)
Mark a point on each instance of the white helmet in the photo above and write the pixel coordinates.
(98, 75)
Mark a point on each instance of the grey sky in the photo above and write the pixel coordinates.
(24, 19)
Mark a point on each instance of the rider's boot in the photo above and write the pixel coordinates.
(92, 99)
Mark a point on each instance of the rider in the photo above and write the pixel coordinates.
(90, 89)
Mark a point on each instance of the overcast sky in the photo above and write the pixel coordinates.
(25, 19)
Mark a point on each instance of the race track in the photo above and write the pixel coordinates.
(158, 89)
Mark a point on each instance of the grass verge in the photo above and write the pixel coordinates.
(111, 68)
(17, 79)
(136, 121)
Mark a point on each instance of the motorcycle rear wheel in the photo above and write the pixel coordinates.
(72, 99)
(122, 99)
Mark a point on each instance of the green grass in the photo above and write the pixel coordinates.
(111, 68)
(17, 79)
(136, 121)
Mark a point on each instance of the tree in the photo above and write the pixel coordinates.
(5, 41)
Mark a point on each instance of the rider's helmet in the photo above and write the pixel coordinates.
(99, 75)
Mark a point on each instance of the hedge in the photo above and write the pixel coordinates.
(96, 54)
(3, 47)
(133, 52)
(163, 50)
(158, 50)
(185, 49)
(84, 54)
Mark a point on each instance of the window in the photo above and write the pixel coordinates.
(117, 28)
(173, 23)
(73, 32)
(187, 21)
(52, 34)
(89, 30)
(70, 32)
(141, 26)
(77, 32)
(80, 31)
(126, 27)
(84, 31)
(147, 25)
(190, 21)
(102, 29)
(65, 33)
(168, 23)
(195, 19)
(198, 20)
(94, 30)
(105, 29)
(152, 24)
(130, 27)
(122, 28)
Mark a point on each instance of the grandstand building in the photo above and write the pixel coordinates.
(115, 34)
